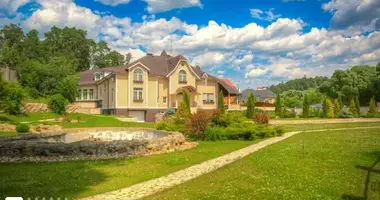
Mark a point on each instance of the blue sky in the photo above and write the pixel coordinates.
(252, 42)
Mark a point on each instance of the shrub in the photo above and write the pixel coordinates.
(261, 118)
(214, 134)
(345, 114)
(182, 114)
(170, 126)
(288, 113)
(13, 99)
(280, 130)
(229, 119)
(170, 112)
(216, 117)
(357, 104)
(57, 104)
(199, 122)
(22, 128)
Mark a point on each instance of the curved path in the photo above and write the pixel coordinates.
(156, 185)
(322, 121)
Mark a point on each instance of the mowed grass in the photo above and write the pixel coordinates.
(305, 127)
(86, 178)
(86, 120)
(326, 169)
(8, 134)
(30, 117)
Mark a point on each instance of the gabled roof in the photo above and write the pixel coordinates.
(160, 65)
(260, 94)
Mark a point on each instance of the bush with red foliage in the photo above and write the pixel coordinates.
(199, 122)
(261, 118)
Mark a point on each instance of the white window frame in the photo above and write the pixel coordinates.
(138, 75)
(91, 94)
(208, 98)
(85, 94)
(182, 76)
(137, 94)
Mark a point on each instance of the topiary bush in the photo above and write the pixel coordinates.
(261, 118)
(57, 104)
(22, 128)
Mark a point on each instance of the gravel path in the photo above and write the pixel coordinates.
(323, 121)
(156, 185)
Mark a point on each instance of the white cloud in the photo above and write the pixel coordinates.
(266, 15)
(278, 51)
(156, 6)
(354, 15)
(11, 6)
(113, 2)
(256, 72)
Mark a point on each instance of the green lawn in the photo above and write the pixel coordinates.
(327, 171)
(304, 127)
(87, 120)
(8, 134)
(86, 178)
(30, 117)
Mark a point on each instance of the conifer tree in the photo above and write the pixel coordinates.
(221, 102)
(251, 104)
(352, 107)
(357, 104)
(372, 107)
(337, 107)
(186, 99)
(306, 106)
(278, 104)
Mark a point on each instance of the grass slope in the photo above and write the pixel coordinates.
(86, 178)
(327, 171)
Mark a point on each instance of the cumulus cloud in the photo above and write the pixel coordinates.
(113, 2)
(156, 6)
(266, 15)
(354, 15)
(254, 53)
(256, 72)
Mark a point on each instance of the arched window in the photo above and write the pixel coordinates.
(182, 76)
(138, 75)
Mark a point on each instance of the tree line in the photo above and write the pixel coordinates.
(44, 64)
(359, 82)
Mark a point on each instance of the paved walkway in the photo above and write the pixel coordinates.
(156, 185)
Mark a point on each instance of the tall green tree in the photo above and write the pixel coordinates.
(306, 106)
(186, 99)
(337, 107)
(328, 111)
(357, 104)
(251, 104)
(221, 102)
(69, 88)
(13, 99)
(71, 43)
(278, 104)
(11, 38)
(352, 107)
(372, 107)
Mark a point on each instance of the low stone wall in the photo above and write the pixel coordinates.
(50, 148)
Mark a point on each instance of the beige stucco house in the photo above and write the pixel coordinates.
(150, 85)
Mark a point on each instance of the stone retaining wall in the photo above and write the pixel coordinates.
(50, 148)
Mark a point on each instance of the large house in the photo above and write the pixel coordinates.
(150, 85)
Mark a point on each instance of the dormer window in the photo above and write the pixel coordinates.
(182, 76)
(98, 76)
(138, 75)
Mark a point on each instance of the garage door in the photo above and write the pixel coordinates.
(139, 115)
